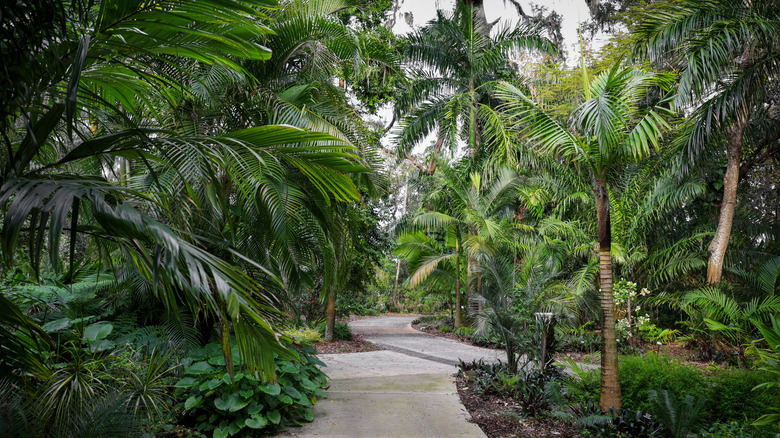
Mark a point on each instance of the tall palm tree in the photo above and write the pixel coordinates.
(112, 93)
(608, 130)
(455, 59)
(726, 53)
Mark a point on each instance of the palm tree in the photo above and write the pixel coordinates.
(608, 130)
(455, 59)
(113, 96)
(471, 211)
(726, 54)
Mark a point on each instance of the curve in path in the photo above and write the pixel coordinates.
(406, 390)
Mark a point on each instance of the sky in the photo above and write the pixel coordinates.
(572, 11)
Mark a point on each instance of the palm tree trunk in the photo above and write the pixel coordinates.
(330, 315)
(610, 382)
(395, 298)
(717, 248)
(458, 318)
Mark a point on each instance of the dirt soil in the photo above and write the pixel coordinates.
(500, 418)
(356, 345)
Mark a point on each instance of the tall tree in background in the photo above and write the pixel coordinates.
(454, 58)
(726, 52)
(608, 131)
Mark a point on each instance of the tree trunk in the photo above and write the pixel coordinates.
(610, 382)
(717, 248)
(395, 297)
(458, 318)
(330, 315)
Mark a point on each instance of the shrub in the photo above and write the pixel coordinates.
(641, 374)
(735, 429)
(228, 407)
(445, 329)
(340, 331)
(464, 332)
(304, 335)
(731, 396)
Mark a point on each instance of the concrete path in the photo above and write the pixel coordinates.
(404, 391)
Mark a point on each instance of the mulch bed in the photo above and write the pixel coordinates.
(500, 418)
(356, 345)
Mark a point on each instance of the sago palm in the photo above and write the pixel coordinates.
(607, 131)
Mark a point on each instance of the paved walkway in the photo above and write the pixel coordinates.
(404, 391)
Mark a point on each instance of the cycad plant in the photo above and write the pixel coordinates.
(676, 418)
(607, 131)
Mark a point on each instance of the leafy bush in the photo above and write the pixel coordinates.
(227, 407)
(731, 396)
(464, 332)
(340, 331)
(676, 418)
(735, 429)
(628, 423)
(529, 389)
(641, 374)
(307, 336)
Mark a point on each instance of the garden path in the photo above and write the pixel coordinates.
(406, 390)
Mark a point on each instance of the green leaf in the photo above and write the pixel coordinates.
(292, 392)
(56, 325)
(231, 402)
(272, 389)
(186, 382)
(97, 331)
(220, 432)
(254, 407)
(274, 416)
(192, 402)
(215, 382)
(307, 414)
(199, 368)
(246, 393)
(290, 369)
(256, 421)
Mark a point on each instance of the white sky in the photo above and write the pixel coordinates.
(572, 11)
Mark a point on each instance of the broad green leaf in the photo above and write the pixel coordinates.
(291, 391)
(97, 331)
(307, 414)
(231, 402)
(272, 389)
(186, 382)
(256, 421)
(220, 432)
(199, 368)
(274, 416)
(56, 325)
(192, 402)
